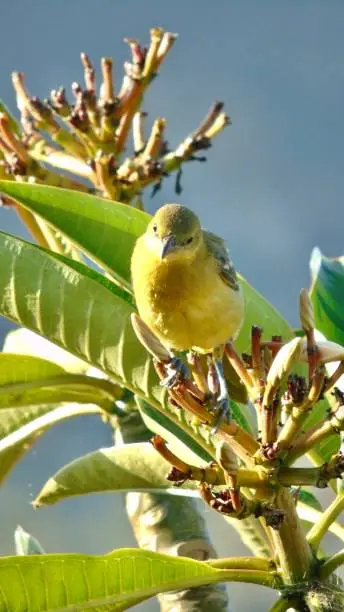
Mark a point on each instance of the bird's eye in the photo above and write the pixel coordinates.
(189, 240)
(155, 228)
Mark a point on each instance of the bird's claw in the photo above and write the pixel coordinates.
(177, 371)
(222, 413)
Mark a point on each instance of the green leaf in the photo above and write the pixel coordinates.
(107, 231)
(11, 456)
(258, 311)
(72, 582)
(26, 544)
(307, 498)
(132, 467)
(103, 229)
(25, 342)
(20, 428)
(68, 305)
(11, 420)
(252, 535)
(136, 467)
(179, 440)
(113, 222)
(24, 368)
(329, 445)
(327, 295)
(30, 381)
(124, 294)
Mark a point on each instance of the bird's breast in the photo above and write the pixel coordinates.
(187, 306)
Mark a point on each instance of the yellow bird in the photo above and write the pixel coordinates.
(186, 288)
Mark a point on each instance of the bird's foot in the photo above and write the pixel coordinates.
(177, 371)
(222, 412)
(221, 406)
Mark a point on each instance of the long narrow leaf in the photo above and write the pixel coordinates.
(11, 420)
(66, 304)
(136, 467)
(105, 230)
(62, 583)
(20, 428)
(22, 341)
(132, 467)
(31, 381)
(72, 309)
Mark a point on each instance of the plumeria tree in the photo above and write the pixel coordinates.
(70, 172)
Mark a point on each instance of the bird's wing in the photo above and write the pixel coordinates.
(217, 248)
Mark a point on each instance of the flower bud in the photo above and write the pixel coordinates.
(306, 311)
(285, 359)
(225, 457)
(149, 340)
(328, 351)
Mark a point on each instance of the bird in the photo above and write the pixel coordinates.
(187, 291)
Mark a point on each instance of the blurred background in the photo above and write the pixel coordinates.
(273, 185)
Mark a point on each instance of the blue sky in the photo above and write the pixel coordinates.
(273, 185)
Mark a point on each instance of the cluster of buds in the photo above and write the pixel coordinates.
(90, 134)
(248, 471)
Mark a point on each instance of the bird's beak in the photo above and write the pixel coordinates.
(168, 244)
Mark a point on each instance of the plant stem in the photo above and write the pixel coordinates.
(324, 598)
(320, 528)
(294, 553)
(239, 367)
(49, 236)
(331, 564)
(315, 458)
(32, 225)
(309, 440)
(307, 513)
(253, 479)
(240, 440)
(62, 161)
(172, 525)
(237, 435)
(249, 563)
(283, 604)
(268, 579)
(316, 477)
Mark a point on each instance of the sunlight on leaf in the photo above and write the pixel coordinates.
(20, 428)
(104, 229)
(25, 342)
(132, 467)
(120, 578)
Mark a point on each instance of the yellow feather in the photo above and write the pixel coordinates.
(182, 297)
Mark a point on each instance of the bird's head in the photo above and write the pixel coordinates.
(174, 233)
